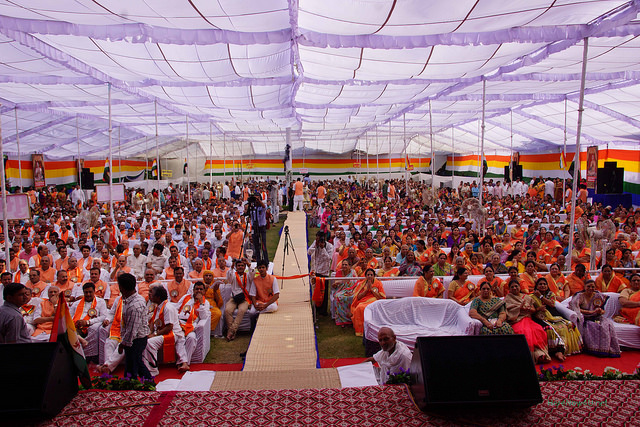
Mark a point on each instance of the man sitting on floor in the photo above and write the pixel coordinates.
(264, 290)
(166, 333)
(112, 356)
(394, 355)
(44, 314)
(192, 310)
(212, 294)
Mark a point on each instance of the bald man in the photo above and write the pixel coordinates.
(394, 355)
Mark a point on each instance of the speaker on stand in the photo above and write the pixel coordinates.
(87, 179)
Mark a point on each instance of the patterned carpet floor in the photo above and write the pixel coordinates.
(588, 403)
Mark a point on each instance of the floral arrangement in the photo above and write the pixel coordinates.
(113, 382)
(557, 373)
(402, 377)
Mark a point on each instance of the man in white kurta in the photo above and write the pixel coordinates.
(88, 314)
(164, 320)
(192, 310)
(112, 334)
(394, 357)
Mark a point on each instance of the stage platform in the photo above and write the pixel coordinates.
(570, 403)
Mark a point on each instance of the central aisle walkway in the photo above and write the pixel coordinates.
(282, 353)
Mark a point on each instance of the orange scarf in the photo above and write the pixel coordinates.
(114, 333)
(169, 342)
(193, 315)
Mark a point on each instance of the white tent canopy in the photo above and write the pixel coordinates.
(344, 75)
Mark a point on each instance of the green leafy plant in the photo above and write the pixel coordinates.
(558, 373)
(402, 377)
(113, 382)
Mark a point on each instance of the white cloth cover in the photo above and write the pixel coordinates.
(416, 316)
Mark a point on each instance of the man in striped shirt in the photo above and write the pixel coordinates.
(135, 327)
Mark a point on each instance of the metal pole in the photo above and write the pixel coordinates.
(576, 168)
(377, 157)
(5, 219)
(155, 104)
(389, 149)
(511, 148)
(110, 159)
(224, 155)
(288, 176)
(433, 157)
(453, 162)
(564, 155)
(484, 87)
(188, 166)
(366, 136)
(211, 155)
(19, 160)
(78, 162)
(406, 157)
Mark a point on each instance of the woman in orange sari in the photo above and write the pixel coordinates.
(474, 266)
(427, 286)
(557, 283)
(630, 301)
(496, 283)
(461, 290)
(367, 291)
(517, 232)
(388, 270)
(607, 281)
(528, 278)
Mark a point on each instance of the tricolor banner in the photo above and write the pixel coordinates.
(64, 331)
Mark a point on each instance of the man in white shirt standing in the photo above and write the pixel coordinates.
(77, 195)
(226, 191)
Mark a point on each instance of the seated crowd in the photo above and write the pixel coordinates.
(180, 259)
(509, 275)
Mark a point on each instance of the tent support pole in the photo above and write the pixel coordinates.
(19, 152)
(211, 155)
(367, 159)
(155, 104)
(433, 158)
(224, 155)
(453, 163)
(110, 159)
(564, 154)
(377, 158)
(576, 159)
(186, 122)
(5, 219)
(406, 156)
(78, 162)
(389, 150)
(484, 87)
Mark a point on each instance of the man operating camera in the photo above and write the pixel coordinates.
(257, 212)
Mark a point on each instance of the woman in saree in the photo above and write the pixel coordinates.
(388, 269)
(513, 260)
(519, 310)
(630, 301)
(490, 310)
(494, 282)
(597, 331)
(427, 285)
(474, 266)
(557, 283)
(528, 278)
(342, 295)
(462, 290)
(562, 336)
(607, 281)
(367, 291)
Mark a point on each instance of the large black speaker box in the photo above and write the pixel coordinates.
(473, 372)
(38, 380)
(87, 179)
(517, 172)
(610, 180)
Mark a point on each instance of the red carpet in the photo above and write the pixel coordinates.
(627, 362)
(611, 403)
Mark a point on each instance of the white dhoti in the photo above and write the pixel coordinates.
(43, 337)
(112, 357)
(297, 202)
(93, 333)
(154, 344)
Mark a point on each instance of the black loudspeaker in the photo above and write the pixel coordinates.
(517, 172)
(87, 179)
(610, 179)
(473, 372)
(507, 177)
(38, 380)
